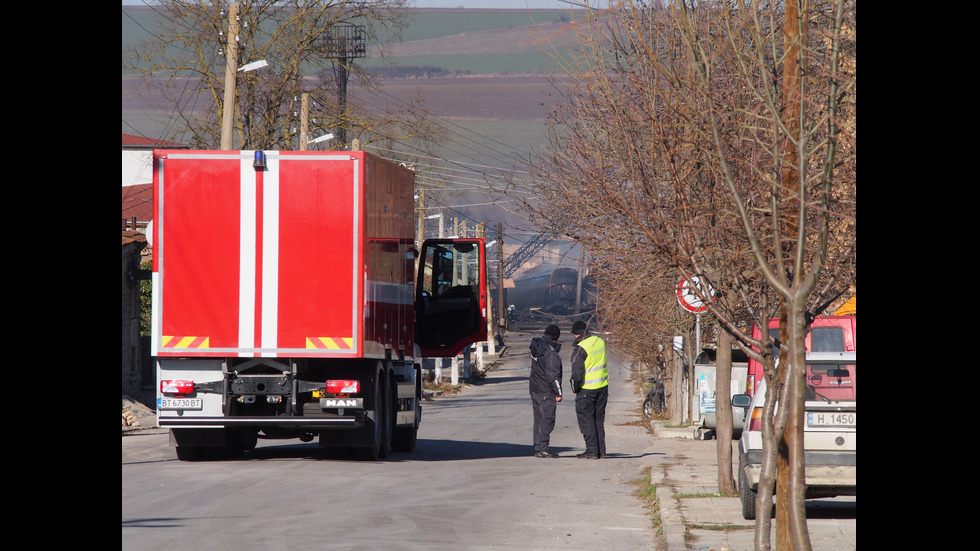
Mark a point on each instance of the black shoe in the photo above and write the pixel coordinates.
(545, 454)
(587, 455)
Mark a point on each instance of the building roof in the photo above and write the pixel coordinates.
(129, 236)
(137, 201)
(130, 141)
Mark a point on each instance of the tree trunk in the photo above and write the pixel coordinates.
(783, 540)
(723, 412)
(790, 488)
(796, 487)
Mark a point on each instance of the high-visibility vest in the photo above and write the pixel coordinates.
(596, 374)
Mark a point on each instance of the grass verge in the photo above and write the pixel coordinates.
(646, 491)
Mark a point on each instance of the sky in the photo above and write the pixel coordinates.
(506, 4)
(500, 4)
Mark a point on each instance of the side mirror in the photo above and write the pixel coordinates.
(741, 400)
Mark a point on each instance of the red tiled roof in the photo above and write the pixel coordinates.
(129, 236)
(137, 201)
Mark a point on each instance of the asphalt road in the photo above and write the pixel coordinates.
(472, 483)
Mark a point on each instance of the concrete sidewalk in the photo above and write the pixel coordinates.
(696, 522)
(693, 519)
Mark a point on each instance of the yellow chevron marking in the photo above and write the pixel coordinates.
(186, 342)
(330, 343)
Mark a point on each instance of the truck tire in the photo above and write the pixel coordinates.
(746, 494)
(240, 440)
(189, 453)
(387, 415)
(378, 429)
(404, 439)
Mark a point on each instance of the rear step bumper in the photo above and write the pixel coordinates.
(257, 421)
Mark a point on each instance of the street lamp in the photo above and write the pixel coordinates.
(441, 222)
(253, 66)
(323, 138)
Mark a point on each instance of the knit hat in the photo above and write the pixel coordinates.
(578, 327)
(553, 332)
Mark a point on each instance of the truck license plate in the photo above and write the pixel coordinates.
(180, 403)
(831, 419)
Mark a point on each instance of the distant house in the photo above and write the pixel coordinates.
(135, 369)
(137, 177)
(137, 205)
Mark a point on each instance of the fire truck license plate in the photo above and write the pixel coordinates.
(180, 403)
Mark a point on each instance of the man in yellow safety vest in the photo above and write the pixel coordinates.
(590, 382)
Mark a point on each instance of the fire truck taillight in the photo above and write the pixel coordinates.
(343, 386)
(177, 387)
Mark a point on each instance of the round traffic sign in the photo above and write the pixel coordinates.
(688, 298)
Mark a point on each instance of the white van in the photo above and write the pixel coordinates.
(829, 431)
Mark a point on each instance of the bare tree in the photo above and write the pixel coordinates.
(716, 139)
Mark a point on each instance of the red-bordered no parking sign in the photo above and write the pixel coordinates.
(687, 296)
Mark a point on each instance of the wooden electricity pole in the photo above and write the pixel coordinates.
(304, 121)
(231, 68)
(501, 322)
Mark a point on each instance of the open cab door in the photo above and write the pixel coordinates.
(450, 296)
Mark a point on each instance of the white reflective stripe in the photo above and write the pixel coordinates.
(355, 249)
(246, 246)
(270, 253)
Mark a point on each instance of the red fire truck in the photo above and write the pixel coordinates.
(286, 303)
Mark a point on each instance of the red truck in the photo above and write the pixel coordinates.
(286, 303)
(827, 334)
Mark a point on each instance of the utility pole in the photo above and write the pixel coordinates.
(304, 121)
(421, 228)
(231, 68)
(500, 277)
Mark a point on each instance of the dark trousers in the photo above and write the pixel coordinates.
(590, 408)
(545, 406)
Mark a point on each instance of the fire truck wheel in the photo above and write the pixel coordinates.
(404, 439)
(188, 453)
(376, 427)
(387, 415)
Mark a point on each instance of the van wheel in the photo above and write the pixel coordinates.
(746, 495)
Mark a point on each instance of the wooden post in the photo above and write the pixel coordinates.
(231, 68)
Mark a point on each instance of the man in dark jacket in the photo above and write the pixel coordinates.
(545, 386)
(590, 383)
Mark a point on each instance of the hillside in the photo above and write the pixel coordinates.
(511, 40)
(490, 92)
(475, 41)
(491, 82)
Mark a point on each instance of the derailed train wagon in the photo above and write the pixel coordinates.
(551, 294)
